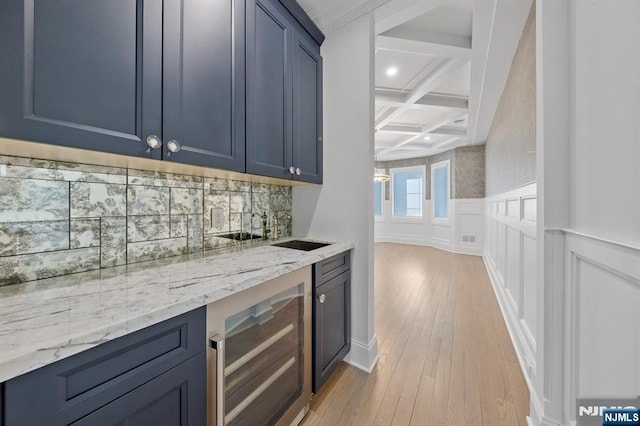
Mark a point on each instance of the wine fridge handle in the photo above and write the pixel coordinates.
(217, 343)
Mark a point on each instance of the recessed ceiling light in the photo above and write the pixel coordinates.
(392, 71)
(426, 138)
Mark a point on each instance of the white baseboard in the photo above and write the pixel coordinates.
(430, 242)
(518, 338)
(363, 356)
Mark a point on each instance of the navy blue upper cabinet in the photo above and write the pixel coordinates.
(203, 83)
(269, 89)
(307, 109)
(229, 84)
(72, 74)
(107, 74)
(284, 94)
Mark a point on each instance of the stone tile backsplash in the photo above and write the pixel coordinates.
(62, 218)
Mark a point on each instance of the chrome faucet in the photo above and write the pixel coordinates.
(276, 223)
(265, 219)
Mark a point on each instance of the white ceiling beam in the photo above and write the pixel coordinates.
(396, 13)
(401, 129)
(447, 142)
(422, 48)
(449, 130)
(383, 115)
(443, 119)
(459, 102)
(404, 153)
(439, 71)
(425, 102)
(414, 148)
(405, 129)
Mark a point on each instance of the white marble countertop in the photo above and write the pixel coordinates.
(47, 320)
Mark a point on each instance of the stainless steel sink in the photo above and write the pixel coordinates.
(240, 236)
(301, 245)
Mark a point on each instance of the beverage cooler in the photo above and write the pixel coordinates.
(259, 357)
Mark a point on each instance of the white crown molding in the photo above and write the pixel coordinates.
(335, 18)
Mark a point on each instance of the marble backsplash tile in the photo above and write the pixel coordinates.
(30, 200)
(61, 218)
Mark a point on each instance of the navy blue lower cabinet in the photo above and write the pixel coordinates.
(156, 373)
(331, 316)
(175, 398)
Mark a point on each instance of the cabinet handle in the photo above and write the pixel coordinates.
(217, 343)
(173, 146)
(322, 298)
(153, 142)
(292, 170)
(298, 171)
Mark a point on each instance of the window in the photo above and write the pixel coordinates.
(407, 192)
(440, 190)
(377, 198)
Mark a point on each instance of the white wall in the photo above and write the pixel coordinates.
(340, 209)
(589, 226)
(604, 277)
(602, 246)
(606, 99)
(467, 219)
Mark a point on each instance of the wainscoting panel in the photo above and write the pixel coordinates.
(463, 234)
(511, 260)
(602, 342)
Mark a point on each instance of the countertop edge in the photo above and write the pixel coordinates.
(42, 356)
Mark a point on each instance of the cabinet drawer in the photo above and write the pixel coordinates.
(69, 389)
(331, 267)
(177, 397)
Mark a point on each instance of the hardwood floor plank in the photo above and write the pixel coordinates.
(445, 356)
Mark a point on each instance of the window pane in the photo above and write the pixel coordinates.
(413, 186)
(377, 198)
(440, 193)
(413, 201)
(407, 194)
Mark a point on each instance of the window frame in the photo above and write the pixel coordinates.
(434, 167)
(392, 172)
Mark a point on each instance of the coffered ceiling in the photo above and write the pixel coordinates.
(434, 88)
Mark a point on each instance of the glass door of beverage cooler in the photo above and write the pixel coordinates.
(264, 351)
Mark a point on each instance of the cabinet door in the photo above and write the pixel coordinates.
(177, 397)
(203, 82)
(332, 326)
(307, 109)
(269, 98)
(68, 390)
(71, 73)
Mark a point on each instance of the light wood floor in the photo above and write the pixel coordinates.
(445, 353)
